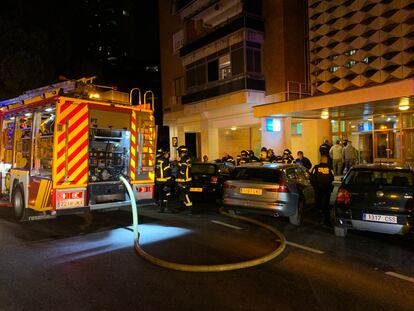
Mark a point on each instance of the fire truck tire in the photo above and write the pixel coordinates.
(18, 202)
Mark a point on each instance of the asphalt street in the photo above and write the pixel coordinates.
(60, 265)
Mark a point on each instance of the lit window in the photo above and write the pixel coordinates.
(333, 68)
(224, 67)
(350, 64)
(350, 52)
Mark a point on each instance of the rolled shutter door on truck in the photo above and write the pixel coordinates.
(70, 166)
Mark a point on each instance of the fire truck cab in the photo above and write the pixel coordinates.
(64, 147)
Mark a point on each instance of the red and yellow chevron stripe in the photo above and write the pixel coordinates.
(133, 147)
(71, 141)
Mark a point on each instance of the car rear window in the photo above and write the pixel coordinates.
(207, 169)
(396, 178)
(257, 174)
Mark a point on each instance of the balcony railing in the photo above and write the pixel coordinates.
(243, 21)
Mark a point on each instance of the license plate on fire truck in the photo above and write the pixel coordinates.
(70, 199)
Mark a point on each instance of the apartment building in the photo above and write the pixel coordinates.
(220, 59)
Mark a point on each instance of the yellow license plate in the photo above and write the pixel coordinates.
(196, 189)
(251, 191)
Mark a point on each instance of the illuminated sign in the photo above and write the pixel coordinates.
(273, 125)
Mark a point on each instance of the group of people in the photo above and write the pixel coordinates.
(164, 182)
(268, 156)
(334, 159)
(341, 156)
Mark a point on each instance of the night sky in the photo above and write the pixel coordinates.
(116, 40)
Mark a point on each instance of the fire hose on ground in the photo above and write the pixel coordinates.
(203, 268)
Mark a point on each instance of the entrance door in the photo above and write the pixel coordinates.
(365, 148)
(192, 143)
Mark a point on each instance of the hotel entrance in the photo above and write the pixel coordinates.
(379, 138)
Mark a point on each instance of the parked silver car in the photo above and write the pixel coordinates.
(273, 189)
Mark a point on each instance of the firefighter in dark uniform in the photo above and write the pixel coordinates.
(321, 178)
(163, 179)
(287, 156)
(244, 157)
(184, 177)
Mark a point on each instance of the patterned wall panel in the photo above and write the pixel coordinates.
(356, 43)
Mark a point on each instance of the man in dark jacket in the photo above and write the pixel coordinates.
(321, 179)
(304, 161)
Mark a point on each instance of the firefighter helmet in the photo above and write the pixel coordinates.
(160, 153)
(243, 153)
(182, 150)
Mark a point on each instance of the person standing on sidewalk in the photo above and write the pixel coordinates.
(321, 180)
(304, 161)
(336, 154)
(349, 154)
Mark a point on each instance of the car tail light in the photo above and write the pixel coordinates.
(343, 196)
(228, 186)
(146, 189)
(283, 188)
(278, 188)
(214, 179)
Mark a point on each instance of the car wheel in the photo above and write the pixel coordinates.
(340, 231)
(18, 202)
(297, 218)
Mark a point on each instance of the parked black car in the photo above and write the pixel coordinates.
(375, 198)
(207, 179)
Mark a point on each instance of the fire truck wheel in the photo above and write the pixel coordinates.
(18, 202)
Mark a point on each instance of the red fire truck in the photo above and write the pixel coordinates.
(64, 147)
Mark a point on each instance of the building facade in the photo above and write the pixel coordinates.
(361, 60)
(221, 58)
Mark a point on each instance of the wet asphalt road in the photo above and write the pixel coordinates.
(58, 265)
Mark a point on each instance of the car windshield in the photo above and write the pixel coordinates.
(207, 169)
(257, 174)
(396, 178)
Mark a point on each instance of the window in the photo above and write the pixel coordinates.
(224, 67)
(178, 41)
(237, 61)
(179, 86)
(8, 140)
(333, 68)
(43, 141)
(296, 129)
(23, 146)
(213, 70)
(196, 75)
(350, 64)
(350, 52)
(253, 60)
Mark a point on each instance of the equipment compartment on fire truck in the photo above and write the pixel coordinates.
(65, 146)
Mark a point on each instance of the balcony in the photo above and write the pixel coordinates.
(242, 82)
(244, 21)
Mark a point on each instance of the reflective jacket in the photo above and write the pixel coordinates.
(184, 174)
(162, 170)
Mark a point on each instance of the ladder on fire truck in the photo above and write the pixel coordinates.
(147, 137)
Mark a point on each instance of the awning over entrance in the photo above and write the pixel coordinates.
(384, 98)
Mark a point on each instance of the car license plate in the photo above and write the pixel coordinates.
(380, 218)
(251, 191)
(196, 189)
